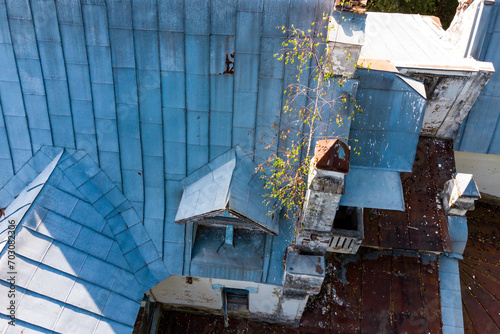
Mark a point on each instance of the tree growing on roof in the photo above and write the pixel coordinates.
(286, 170)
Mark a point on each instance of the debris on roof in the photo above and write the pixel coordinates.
(373, 292)
(480, 270)
(422, 226)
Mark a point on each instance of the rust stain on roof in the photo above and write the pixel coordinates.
(480, 270)
(229, 64)
(377, 292)
(435, 19)
(422, 226)
(377, 64)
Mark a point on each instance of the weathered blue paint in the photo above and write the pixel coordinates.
(130, 77)
(371, 188)
(93, 250)
(229, 235)
(480, 132)
(144, 88)
(457, 227)
(451, 299)
(386, 132)
(242, 261)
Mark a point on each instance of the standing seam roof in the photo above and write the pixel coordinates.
(140, 86)
(83, 257)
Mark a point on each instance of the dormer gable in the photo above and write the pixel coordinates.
(227, 186)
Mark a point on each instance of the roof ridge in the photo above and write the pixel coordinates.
(18, 208)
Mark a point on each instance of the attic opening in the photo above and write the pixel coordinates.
(225, 241)
(229, 218)
(346, 218)
(236, 299)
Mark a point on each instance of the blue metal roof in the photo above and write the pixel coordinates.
(140, 86)
(229, 182)
(480, 132)
(373, 188)
(386, 132)
(83, 258)
(153, 90)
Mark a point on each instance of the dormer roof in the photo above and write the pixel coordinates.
(228, 183)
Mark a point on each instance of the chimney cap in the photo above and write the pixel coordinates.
(333, 155)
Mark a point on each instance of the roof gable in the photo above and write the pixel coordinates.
(230, 183)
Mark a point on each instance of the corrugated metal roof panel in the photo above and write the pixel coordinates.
(422, 226)
(347, 28)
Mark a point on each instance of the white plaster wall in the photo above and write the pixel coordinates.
(263, 298)
(457, 35)
(293, 308)
(484, 167)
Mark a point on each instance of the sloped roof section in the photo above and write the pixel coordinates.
(83, 256)
(16, 211)
(230, 183)
(422, 225)
(410, 40)
(152, 90)
(385, 133)
(372, 188)
(480, 132)
(480, 271)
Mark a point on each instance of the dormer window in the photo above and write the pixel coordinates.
(226, 191)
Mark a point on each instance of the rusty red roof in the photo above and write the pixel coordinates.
(480, 271)
(422, 226)
(380, 292)
(372, 292)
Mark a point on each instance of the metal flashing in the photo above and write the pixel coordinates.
(376, 189)
(418, 86)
